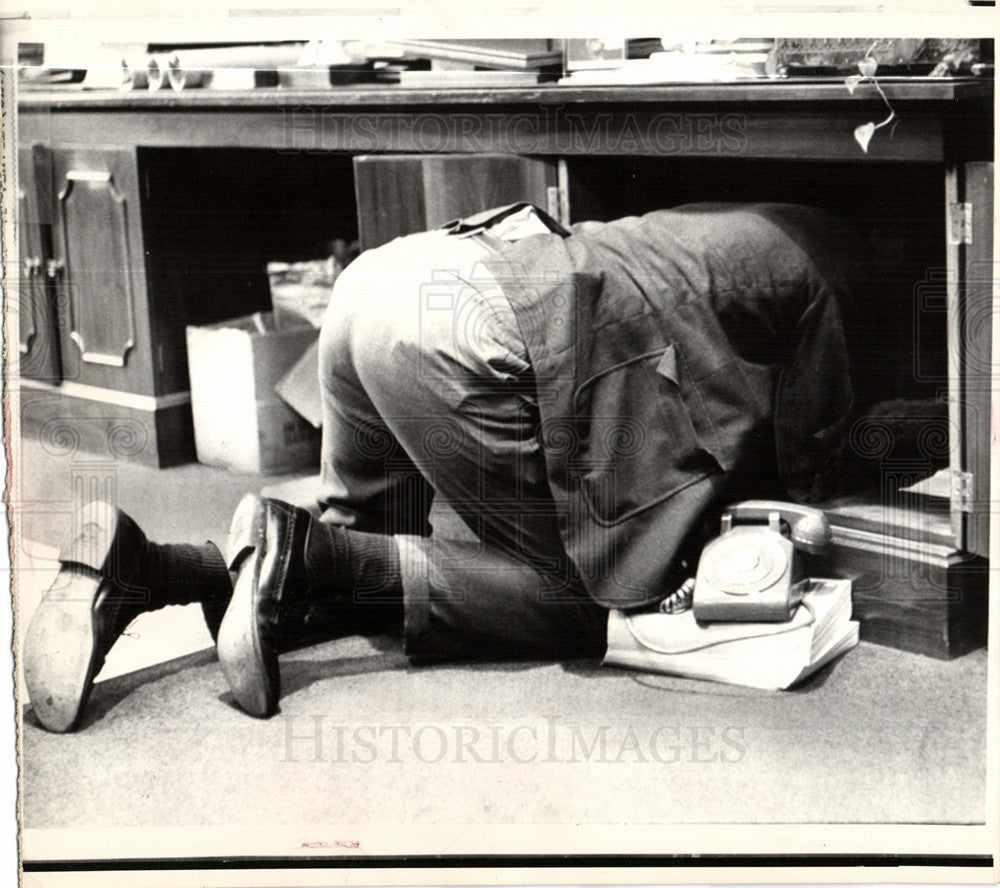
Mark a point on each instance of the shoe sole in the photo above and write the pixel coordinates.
(252, 677)
(60, 651)
(245, 529)
(60, 646)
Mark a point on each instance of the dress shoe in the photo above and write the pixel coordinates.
(96, 594)
(277, 604)
(109, 574)
(266, 547)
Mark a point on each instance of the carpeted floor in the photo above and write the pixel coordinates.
(880, 736)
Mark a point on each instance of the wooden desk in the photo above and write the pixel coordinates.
(938, 120)
(106, 193)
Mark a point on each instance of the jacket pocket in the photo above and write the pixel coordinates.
(645, 434)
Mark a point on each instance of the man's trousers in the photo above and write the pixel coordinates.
(428, 393)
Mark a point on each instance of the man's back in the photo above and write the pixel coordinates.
(683, 350)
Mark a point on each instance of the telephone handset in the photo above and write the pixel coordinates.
(750, 572)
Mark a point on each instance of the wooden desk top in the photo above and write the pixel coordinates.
(936, 120)
(902, 89)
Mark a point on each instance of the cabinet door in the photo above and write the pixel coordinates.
(969, 191)
(98, 269)
(38, 341)
(402, 194)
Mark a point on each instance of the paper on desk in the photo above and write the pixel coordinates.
(937, 485)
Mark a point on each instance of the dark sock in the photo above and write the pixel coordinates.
(182, 574)
(361, 571)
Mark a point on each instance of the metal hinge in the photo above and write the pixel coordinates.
(959, 223)
(962, 490)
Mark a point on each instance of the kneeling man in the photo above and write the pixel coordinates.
(585, 400)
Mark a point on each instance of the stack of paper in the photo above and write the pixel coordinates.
(758, 655)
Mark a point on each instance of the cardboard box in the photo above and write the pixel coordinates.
(240, 423)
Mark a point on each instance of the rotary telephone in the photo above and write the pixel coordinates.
(751, 572)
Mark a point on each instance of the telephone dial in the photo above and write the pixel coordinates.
(751, 572)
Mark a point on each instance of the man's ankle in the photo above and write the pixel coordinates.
(358, 573)
(179, 573)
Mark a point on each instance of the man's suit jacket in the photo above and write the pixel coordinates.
(680, 358)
